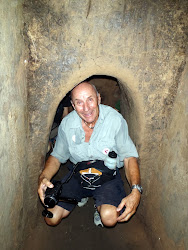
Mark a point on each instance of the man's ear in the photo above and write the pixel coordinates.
(99, 98)
(73, 105)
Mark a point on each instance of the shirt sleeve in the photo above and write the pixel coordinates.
(61, 151)
(125, 146)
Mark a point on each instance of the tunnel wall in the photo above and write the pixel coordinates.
(13, 125)
(174, 167)
(143, 45)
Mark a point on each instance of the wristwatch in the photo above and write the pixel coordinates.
(140, 189)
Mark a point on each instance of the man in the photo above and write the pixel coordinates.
(85, 135)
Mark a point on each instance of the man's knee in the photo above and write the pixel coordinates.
(58, 214)
(52, 221)
(108, 215)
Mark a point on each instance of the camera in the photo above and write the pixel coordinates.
(52, 194)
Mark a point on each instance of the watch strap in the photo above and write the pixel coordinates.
(140, 189)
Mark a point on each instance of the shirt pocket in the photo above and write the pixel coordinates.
(105, 146)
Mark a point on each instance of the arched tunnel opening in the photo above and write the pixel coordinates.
(136, 54)
(113, 92)
(110, 92)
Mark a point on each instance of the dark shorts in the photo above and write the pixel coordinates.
(111, 192)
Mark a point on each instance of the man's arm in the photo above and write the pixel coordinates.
(131, 202)
(51, 167)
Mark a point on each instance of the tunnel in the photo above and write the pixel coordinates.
(137, 47)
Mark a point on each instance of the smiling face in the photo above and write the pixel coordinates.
(86, 102)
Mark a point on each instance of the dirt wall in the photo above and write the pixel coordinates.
(173, 168)
(13, 126)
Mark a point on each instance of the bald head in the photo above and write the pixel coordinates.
(86, 100)
(81, 86)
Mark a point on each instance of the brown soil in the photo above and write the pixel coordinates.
(79, 232)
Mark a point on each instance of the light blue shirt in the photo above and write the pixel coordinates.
(110, 133)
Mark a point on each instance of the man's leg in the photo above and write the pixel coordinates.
(108, 214)
(107, 198)
(71, 189)
(58, 214)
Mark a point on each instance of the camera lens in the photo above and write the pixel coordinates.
(50, 201)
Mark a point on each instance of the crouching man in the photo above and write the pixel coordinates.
(85, 137)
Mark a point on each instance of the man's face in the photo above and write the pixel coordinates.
(85, 101)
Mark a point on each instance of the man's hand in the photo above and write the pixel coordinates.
(43, 184)
(131, 203)
(51, 167)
